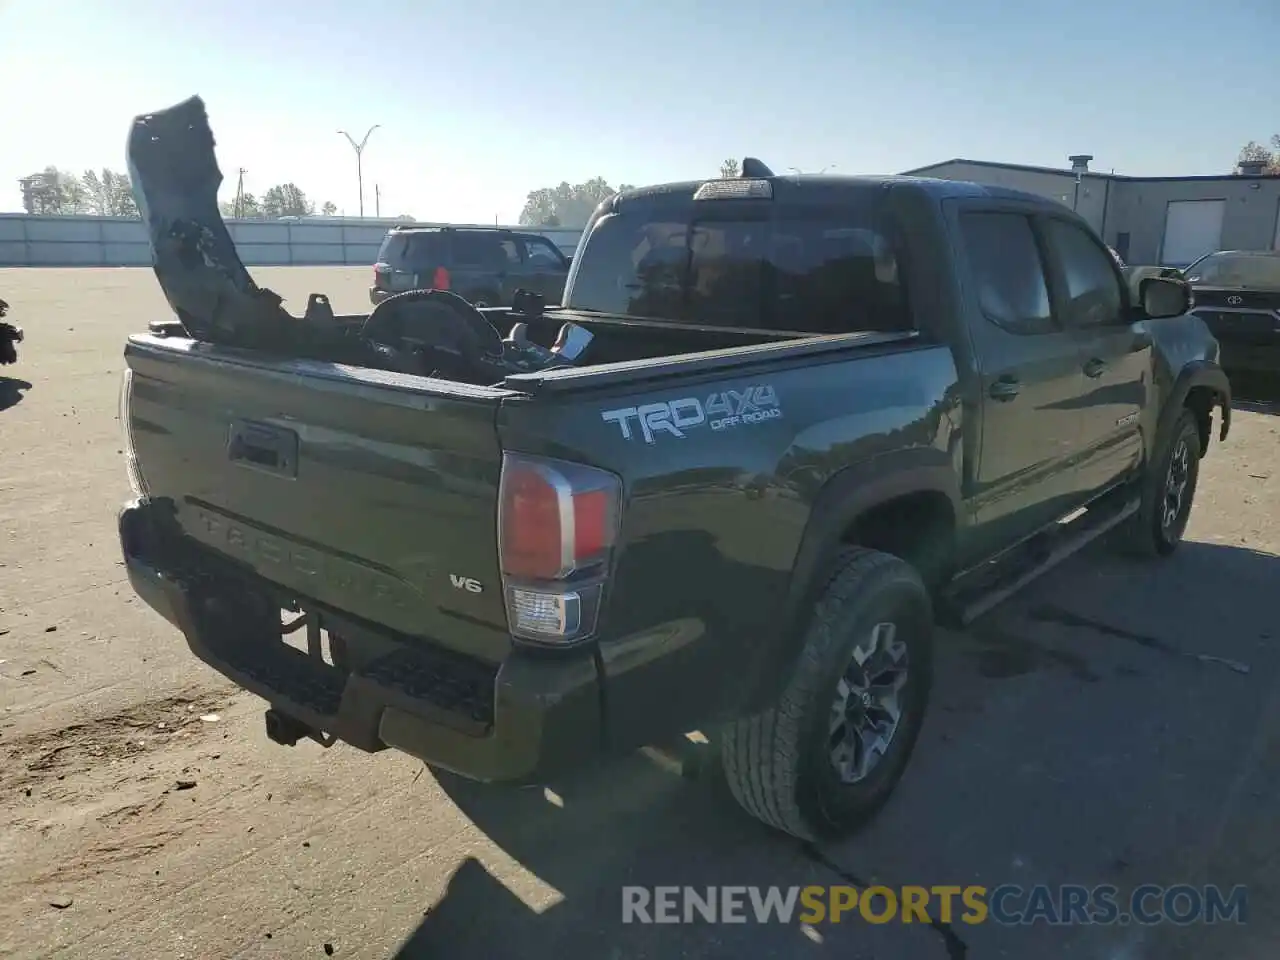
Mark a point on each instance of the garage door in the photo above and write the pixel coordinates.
(1192, 228)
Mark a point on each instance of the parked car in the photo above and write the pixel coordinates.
(1237, 295)
(815, 413)
(486, 266)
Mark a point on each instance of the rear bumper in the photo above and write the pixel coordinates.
(527, 720)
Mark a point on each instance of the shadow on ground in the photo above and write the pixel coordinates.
(1073, 733)
(12, 392)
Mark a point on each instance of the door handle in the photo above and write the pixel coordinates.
(263, 447)
(1094, 368)
(1005, 389)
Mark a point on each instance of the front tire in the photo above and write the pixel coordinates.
(1168, 489)
(828, 754)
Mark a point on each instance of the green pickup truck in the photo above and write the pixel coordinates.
(815, 416)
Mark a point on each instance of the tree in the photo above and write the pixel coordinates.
(730, 169)
(567, 205)
(54, 192)
(1256, 152)
(286, 200)
(246, 208)
(329, 208)
(109, 194)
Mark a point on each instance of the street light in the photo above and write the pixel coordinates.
(359, 149)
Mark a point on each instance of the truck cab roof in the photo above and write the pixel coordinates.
(834, 186)
(449, 228)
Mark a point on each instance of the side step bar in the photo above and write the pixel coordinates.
(977, 592)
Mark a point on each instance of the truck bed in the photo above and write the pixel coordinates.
(364, 489)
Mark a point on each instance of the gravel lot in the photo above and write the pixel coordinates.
(1080, 734)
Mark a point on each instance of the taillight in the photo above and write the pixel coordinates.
(557, 526)
(440, 281)
(137, 482)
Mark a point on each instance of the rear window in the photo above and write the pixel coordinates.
(1250, 271)
(413, 250)
(815, 272)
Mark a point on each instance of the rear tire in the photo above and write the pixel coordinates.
(825, 757)
(1168, 489)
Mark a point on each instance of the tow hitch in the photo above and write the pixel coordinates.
(287, 731)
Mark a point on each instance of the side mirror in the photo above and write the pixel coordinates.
(1164, 297)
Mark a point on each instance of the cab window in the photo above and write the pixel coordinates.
(818, 273)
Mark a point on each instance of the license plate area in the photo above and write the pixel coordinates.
(305, 633)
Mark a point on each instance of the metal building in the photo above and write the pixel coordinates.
(1147, 220)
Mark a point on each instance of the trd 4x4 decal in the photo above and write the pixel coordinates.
(723, 410)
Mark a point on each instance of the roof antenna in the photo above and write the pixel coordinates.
(751, 167)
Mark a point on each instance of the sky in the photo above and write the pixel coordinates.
(481, 101)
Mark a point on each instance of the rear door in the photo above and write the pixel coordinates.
(544, 268)
(1028, 371)
(1114, 352)
(484, 265)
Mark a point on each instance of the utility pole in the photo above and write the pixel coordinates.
(238, 209)
(359, 149)
(377, 201)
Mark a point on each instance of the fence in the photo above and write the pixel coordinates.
(75, 241)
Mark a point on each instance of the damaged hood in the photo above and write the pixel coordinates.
(175, 179)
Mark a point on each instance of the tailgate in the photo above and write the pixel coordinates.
(370, 492)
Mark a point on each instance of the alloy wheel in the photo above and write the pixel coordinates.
(867, 708)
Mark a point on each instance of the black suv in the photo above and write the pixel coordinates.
(484, 265)
(1237, 295)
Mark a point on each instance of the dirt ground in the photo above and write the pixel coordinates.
(1116, 724)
